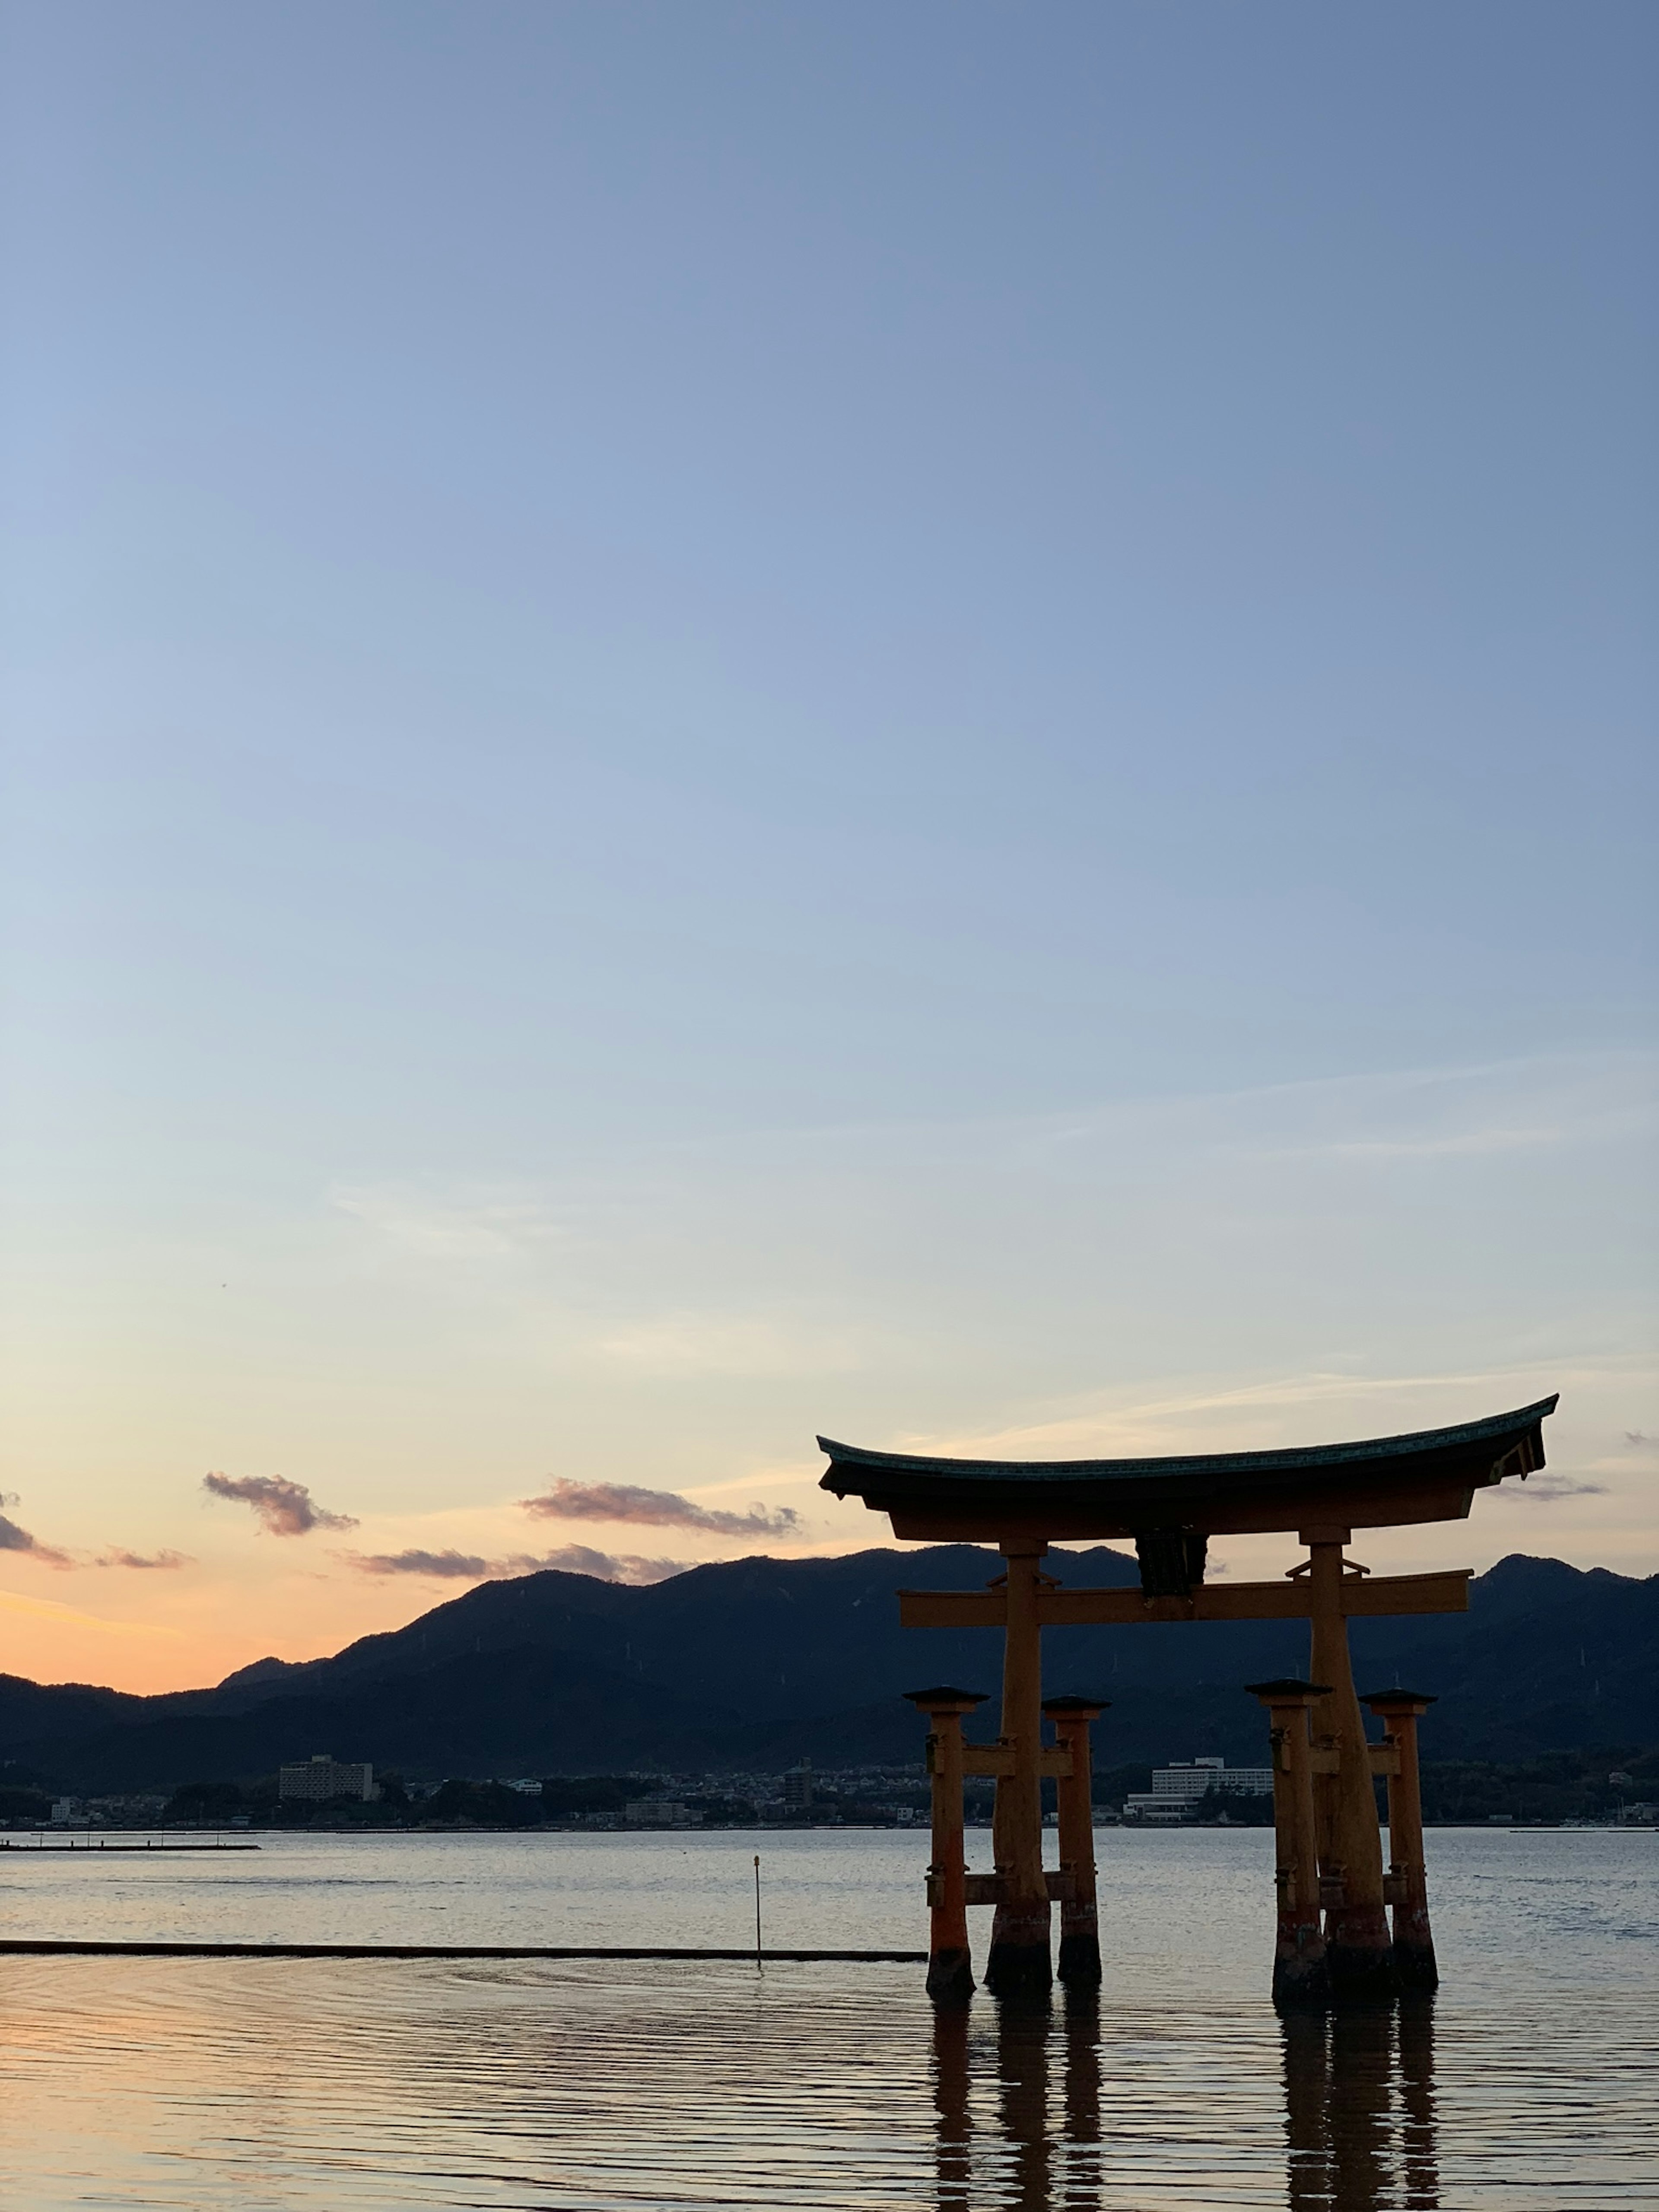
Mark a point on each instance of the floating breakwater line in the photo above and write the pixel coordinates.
(48, 1946)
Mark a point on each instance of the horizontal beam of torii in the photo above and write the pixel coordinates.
(1361, 1596)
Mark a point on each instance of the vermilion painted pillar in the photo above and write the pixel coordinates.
(1399, 1710)
(1358, 1948)
(950, 1961)
(1079, 1932)
(1300, 1975)
(1020, 1962)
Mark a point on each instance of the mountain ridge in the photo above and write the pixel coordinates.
(749, 1664)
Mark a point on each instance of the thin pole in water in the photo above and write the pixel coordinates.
(757, 1918)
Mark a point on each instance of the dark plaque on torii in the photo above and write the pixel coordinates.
(1324, 1800)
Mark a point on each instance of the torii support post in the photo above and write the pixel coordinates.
(950, 1962)
(1019, 1960)
(1079, 1931)
(1358, 1949)
(1300, 1974)
(1399, 1710)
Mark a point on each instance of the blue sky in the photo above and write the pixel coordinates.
(932, 721)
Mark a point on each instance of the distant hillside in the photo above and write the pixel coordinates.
(758, 1662)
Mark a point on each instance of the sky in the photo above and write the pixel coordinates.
(929, 723)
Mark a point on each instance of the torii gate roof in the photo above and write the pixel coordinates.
(1382, 1481)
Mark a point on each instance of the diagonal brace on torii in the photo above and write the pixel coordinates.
(1333, 1893)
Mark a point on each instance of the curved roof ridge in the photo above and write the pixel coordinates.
(1283, 1457)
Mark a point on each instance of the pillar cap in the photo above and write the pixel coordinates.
(1287, 1689)
(1072, 1708)
(1383, 1701)
(944, 1699)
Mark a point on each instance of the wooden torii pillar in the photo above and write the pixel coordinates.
(1358, 1950)
(1019, 1957)
(1301, 1976)
(1079, 1929)
(950, 1962)
(1399, 1710)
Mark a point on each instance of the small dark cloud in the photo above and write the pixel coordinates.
(285, 1509)
(459, 1566)
(1639, 1437)
(470, 1566)
(1545, 1489)
(655, 1509)
(13, 1539)
(117, 1557)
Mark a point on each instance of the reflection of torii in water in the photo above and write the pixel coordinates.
(1325, 1803)
(1359, 2109)
(1359, 2102)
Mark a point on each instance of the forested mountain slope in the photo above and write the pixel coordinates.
(757, 1662)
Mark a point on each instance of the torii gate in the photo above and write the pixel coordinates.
(1329, 1846)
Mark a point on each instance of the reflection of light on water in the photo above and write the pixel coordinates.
(221, 2084)
(246, 2085)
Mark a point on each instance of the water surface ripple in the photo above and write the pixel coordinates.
(1528, 2085)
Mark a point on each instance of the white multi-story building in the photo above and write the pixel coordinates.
(798, 1786)
(323, 1777)
(1178, 1789)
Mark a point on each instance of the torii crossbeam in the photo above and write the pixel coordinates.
(1170, 1508)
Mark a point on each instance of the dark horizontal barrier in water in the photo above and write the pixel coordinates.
(49, 1947)
(91, 1850)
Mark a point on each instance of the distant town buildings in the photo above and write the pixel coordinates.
(102, 1811)
(1178, 1790)
(322, 1776)
(660, 1812)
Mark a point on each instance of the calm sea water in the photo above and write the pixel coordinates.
(1531, 2083)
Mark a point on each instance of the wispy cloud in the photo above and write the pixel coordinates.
(655, 1509)
(284, 1508)
(728, 1344)
(1545, 1489)
(63, 1616)
(472, 1225)
(13, 1539)
(467, 1566)
(447, 1565)
(1465, 1143)
(1124, 1424)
